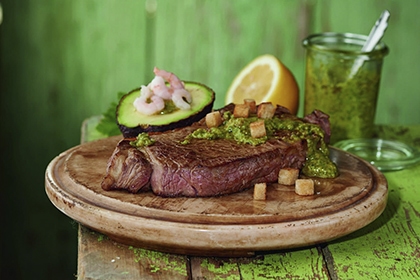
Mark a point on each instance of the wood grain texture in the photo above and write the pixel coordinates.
(63, 61)
(205, 226)
(347, 258)
(306, 263)
(389, 247)
(101, 258)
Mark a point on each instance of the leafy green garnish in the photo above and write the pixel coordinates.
(108, 124)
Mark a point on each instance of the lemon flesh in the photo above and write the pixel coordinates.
(265, 79)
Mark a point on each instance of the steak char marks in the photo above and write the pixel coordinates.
(202, 167)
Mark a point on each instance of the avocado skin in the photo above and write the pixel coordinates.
(131, 132)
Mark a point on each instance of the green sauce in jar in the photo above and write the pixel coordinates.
(331, 85)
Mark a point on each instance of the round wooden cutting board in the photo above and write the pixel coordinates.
(231, 225)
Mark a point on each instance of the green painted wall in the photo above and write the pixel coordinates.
(62, 61)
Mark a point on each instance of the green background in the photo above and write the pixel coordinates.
(62, 61)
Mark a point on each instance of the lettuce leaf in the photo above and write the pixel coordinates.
(108, 123)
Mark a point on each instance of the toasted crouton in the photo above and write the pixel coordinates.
(252, 105)
(257, 129)
(260, 191)
(213, 119)
(266, 110)
(304, 187)
(241, 111)
(288, 176)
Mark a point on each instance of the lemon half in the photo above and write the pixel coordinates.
(265, 79)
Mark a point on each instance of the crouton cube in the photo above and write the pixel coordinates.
(257, 129)
(252, 105)
(288, 176)
(266, 110)
(241, 111)
(304, 187)
(213, 119)
(260, 191)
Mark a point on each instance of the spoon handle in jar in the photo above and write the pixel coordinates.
(375, 35)
(377, 32)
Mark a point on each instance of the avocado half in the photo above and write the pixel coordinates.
(131, 122)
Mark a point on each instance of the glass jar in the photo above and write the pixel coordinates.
(343, 82)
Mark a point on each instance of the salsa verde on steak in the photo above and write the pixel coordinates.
(185, 162)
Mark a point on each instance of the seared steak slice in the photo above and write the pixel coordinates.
(202, 167)
(216, 167)
(127, 169)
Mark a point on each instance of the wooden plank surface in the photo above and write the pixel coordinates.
(231, 225)
(386, 248)
(100, 259)
(223, 35)
(96, 261)
(389, 247)
(62, 61)
(306, 263)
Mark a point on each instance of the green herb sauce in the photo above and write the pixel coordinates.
(350, 102)
(232, 128)
(142, 140)
(318, 163)
(169, 107)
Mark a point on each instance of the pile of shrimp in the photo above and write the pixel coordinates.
(152, 97)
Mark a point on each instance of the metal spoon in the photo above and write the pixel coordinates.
(377, 32)
(375, 35)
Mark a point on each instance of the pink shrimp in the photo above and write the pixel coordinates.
(171, 78)
(158, 86)
(180, 96)
(182, 99)
(143, 105)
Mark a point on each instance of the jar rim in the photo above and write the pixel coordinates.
(314, 42)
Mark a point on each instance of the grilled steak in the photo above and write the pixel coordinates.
(202, 167)
(127, 169)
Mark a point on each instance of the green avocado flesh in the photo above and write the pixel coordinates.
(132, 122)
